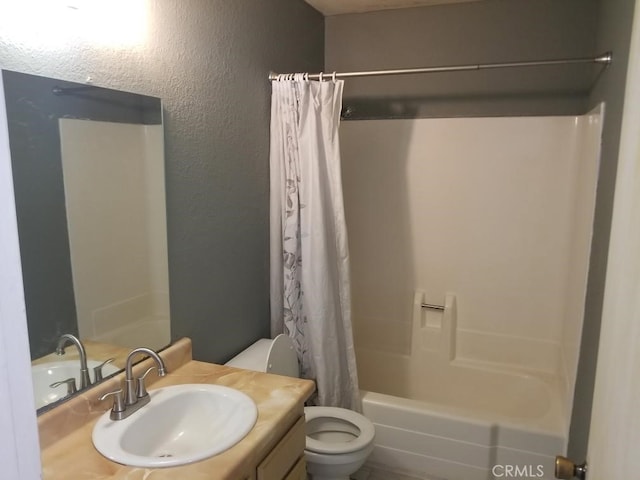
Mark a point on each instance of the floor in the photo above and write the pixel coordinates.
(376, 473)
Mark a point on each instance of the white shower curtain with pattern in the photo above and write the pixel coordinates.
(310, 286)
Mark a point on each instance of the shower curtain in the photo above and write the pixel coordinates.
(310, 286)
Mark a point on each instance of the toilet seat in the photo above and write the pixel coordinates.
(361, 423)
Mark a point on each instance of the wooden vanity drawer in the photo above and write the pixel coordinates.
(285, 459)
(299, 471)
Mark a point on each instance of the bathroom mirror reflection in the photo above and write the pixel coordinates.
(88, 172)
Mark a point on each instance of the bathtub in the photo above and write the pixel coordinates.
(438, 416)
(151, 332)
(461, 423)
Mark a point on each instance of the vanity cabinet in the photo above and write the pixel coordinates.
(273, 450)
(286, 460)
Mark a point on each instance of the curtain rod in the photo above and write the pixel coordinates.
(604, 59)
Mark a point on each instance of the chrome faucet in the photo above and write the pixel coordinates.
(85, 380)
(135, 395)
(132, 396)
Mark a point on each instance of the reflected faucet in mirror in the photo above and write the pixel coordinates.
(98, 374)
(50, 375)
(69, 382)
(85, 380)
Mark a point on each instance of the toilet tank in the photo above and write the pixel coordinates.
(275, 356)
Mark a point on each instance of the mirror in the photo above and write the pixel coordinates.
(88, 173)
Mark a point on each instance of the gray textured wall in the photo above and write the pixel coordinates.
(615, 18)
(466, 33)
(208, 61)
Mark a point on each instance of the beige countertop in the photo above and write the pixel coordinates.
(65, 432)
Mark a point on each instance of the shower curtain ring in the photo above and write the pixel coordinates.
(320, 77)
(333, 77)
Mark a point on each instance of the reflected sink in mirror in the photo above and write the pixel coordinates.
(181, 424)
(44, 374)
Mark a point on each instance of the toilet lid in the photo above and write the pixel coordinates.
(282, 358)
(367, 430)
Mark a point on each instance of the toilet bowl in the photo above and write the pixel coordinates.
(338, 440)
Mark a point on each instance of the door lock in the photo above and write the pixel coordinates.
(567, 469)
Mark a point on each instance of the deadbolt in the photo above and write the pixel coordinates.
(567, 469)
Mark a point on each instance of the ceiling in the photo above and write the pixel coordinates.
(337, 7)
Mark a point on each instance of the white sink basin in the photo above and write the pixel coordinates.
(181, 424)
(44, 374)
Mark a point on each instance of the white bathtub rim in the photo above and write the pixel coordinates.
(159, 324)
(545, 426)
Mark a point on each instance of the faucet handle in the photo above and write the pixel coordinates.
(118, 403)
(69, 382)
(97, 371)
(141, 391)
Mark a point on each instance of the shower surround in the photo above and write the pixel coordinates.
(492, 218)
(114, 186)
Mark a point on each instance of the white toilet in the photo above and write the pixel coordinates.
(338, 440)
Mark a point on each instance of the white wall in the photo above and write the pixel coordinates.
(114, 187)
(615, 424)
(488, 208)
(19, 448)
